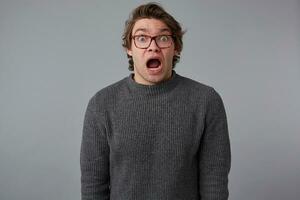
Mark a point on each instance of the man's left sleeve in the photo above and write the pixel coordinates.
(214, 151)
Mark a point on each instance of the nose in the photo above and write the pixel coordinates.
(153, 46)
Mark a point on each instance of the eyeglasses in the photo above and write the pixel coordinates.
(144, 41)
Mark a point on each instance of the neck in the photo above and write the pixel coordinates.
(155, 89)
(138, 79)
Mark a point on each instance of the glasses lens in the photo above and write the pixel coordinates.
(142, 41)
(163, 41)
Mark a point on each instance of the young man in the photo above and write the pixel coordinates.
(155, 135)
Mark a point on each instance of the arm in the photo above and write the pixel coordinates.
(94, 157)
(214, 152)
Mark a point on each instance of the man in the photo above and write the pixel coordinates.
(155, 135)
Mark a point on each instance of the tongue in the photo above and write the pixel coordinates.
(154, 63)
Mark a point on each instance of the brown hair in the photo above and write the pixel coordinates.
(152, 11)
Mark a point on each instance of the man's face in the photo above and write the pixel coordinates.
(152, 65)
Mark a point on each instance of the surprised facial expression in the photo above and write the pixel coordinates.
(153, 63)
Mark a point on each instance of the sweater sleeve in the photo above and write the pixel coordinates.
(214, 151)
(94, 156)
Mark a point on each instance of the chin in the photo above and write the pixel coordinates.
(157, 78)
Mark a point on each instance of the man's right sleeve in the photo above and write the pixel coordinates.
(94, 156)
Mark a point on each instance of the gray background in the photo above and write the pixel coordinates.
(54, 55)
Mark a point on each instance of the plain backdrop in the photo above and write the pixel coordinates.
(56, 54)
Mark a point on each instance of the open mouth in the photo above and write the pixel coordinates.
(153, 63)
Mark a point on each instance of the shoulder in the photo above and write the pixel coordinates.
(193, 84)
(107, 95)
(205, 98)
(198, 92)
(196, 87)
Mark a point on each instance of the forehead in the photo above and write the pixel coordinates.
(150, 26)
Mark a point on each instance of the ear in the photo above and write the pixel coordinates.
(129, 52)
(176, 53)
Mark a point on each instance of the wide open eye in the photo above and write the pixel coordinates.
(141, 38)
(163, 38)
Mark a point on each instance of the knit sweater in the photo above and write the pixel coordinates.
(161, 142)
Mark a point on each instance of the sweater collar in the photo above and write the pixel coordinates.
(152, 90)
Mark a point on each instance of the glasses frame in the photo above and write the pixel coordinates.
(153, 38)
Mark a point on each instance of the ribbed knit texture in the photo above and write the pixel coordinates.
(162, 142)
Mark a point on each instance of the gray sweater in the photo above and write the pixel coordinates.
(162, 142)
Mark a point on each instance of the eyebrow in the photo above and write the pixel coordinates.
(146, 30)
